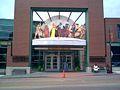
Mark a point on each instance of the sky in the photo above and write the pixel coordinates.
(111, 9)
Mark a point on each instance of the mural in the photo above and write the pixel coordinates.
(60, 30)
(56, 27)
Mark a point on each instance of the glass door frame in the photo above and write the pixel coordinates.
(64, 59)
(52, 63)
(71, 62)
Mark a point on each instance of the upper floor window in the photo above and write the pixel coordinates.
(118, 30)
(6, 28)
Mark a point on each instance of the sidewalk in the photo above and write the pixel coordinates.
(57, 75)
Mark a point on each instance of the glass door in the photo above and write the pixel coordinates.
(51, 63)
(55, 63)
(69, 62)
(48, 63)
(66, 63)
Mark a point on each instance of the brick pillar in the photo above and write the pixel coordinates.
(10, 66)
(108, 59)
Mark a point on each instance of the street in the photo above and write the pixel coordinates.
(66, 87)
(88, 82)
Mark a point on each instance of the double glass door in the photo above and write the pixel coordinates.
(66, 63)
(51, 63)
(58, 63)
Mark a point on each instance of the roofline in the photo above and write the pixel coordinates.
(6, 19)
(111, 18)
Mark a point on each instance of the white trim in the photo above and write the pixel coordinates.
(59, 41)
(39, 48)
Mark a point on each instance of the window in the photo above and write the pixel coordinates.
(118, 30)
(3, 57)
(9, 28)
(6, 35)
(116, 56)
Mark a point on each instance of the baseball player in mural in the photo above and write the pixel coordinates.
(46, 31)
(72, 31)
(54, 32)
(63, 31)
(80, 31)
(77, 31)
(67, 29)
(39, 33)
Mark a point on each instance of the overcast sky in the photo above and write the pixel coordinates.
(111, 8)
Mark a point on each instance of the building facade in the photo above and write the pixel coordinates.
(112, 38)
(57, 48)
(6, 34)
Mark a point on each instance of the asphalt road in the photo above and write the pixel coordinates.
(103, 82)
(66, 87)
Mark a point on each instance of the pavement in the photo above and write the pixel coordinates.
(57, 75)
(56, 81)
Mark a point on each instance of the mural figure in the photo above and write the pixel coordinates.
(59, 29)
(67, 29)
(83, 31)
(72, 31)
(37, 32)
(46, 31)
(53, 32)
(80, 31)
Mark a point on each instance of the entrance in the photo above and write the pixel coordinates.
(51, 63)
(66, 63)
(57, 60)
(58, 63)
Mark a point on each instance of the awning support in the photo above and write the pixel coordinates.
(49, 16)
(69, 17)
(78, 18)
(39, 16)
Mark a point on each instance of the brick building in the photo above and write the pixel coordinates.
(62, 47)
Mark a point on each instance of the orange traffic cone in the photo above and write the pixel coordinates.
(63, 74)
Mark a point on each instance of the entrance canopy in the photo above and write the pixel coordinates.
(59, 41)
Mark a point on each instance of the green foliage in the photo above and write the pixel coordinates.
(77, 69)
(40, 68)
